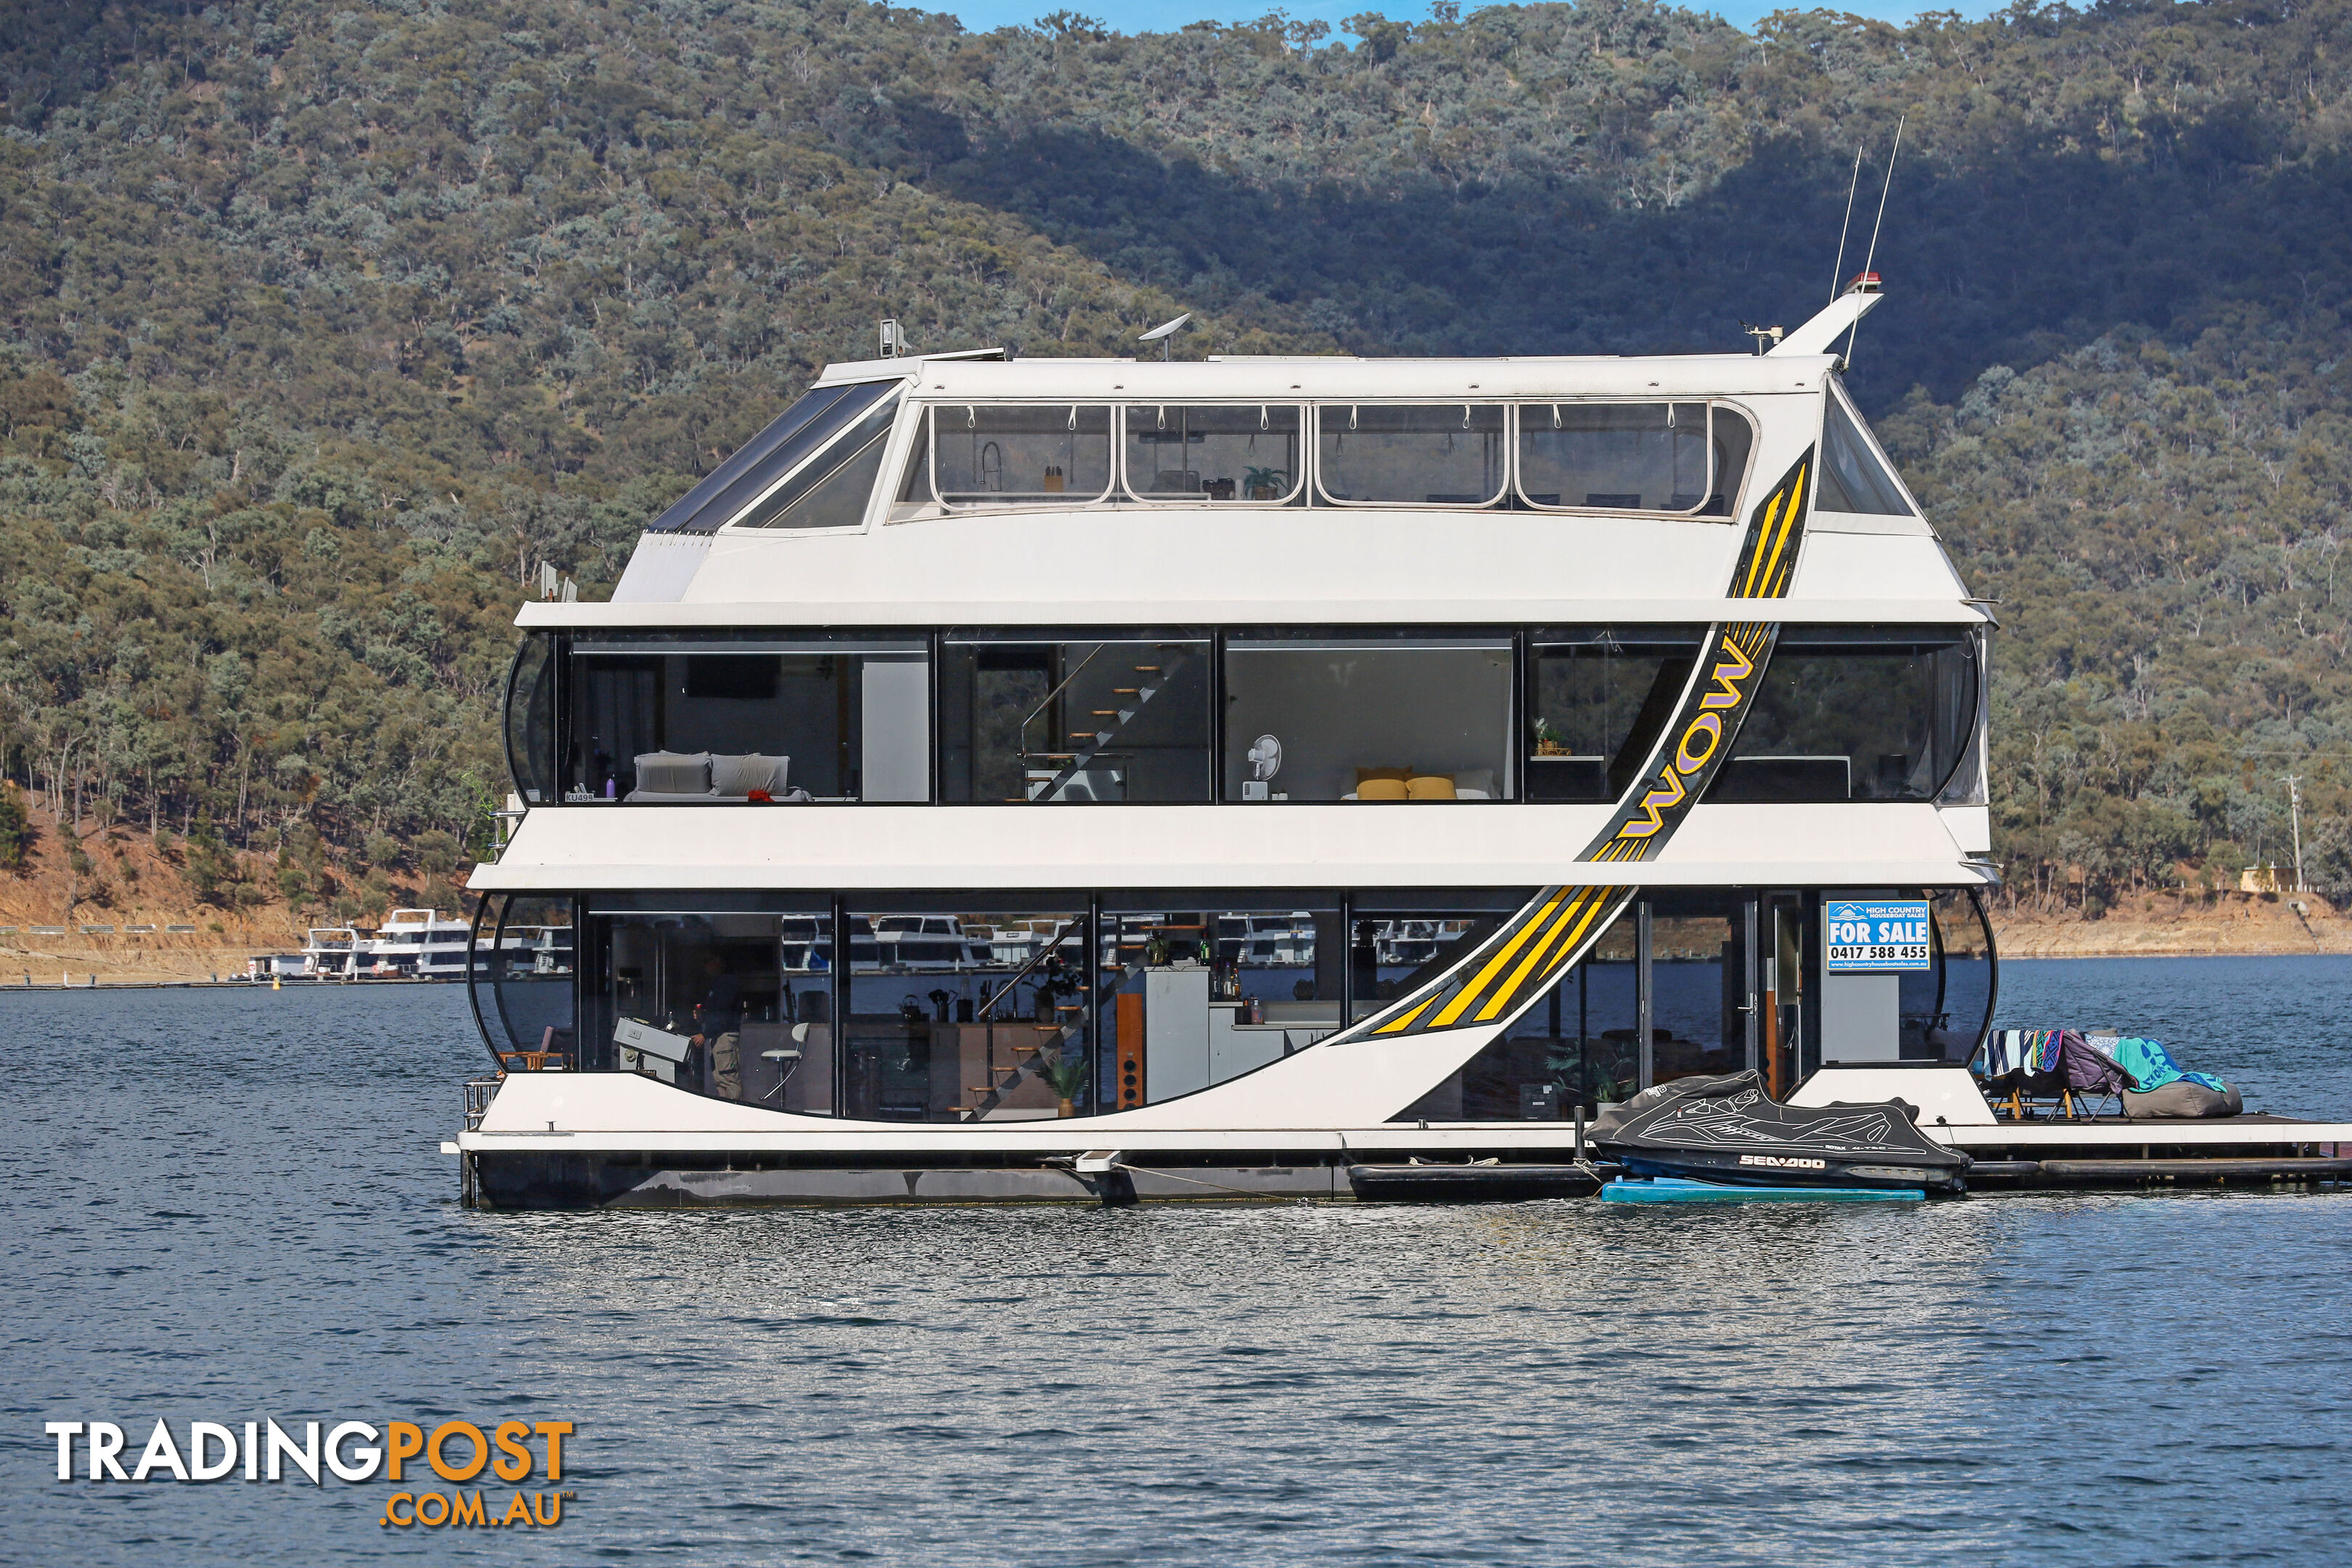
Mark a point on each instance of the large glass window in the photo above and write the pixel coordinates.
(1249, 453)
(1677, 964)
(1945, 1010)
(531, 718)
(1579, 1041)
(1597, 699)
(1313, 718)
(732, 1003)
(1200, 989)
(1856, 713)
(1027, 455)
(960, 1013)
(1082, 720)
(1853, 477)
(808, 426)
(831, 490)
(1442, 453)
(668, 720)
(1633, 457)
(1398, 944)
(520, 975)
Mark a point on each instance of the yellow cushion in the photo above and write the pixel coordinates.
(1381, 789)
(1430, 786)
(1400, 774)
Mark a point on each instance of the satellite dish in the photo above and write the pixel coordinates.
(1164, 330)
(1265, 756)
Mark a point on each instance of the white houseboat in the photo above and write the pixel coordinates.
(1222, 776)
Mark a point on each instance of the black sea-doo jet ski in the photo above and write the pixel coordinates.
(1728, 1129)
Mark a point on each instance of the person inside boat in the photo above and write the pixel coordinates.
(717, 1028)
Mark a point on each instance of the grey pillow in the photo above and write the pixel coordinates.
(741, 776)
(674, 773)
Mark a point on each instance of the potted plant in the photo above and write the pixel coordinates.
(1549, 741)
(1264, 484)
(1066, 1076)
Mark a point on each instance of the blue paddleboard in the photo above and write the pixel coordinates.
(1682, 1190)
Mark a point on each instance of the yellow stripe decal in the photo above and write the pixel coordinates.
(1399, 1026)
(1582, 913)
(1787, 526)
(1756, 555)
(1469, 994)
(1504, 991)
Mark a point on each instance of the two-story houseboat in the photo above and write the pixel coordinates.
(1002, 775)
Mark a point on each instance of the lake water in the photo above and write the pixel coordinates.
(222, 1206)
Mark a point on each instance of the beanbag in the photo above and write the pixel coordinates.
(2182, 1097)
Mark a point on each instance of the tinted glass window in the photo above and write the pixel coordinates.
(966, 1013)
(521, 977)
(1196, 991)
(1637, 456)
(1020, 456)
(668, 720)
(1075, 723)
(1853, 478)
(531, 718)
(1176, 452)
(1446, 454)
(731, 1004)
(807, 426)
(831, 490)
(1345, 719)
(1855, 713)
(1597, 699)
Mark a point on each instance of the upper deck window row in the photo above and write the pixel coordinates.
(1684, 458)
(1197, 715)
(1672, 457)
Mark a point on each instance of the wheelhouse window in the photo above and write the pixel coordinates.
(1080, 721)
(1633, 457)
(1597, 699)
(979, 455)
(1331, 718)
(809, 426)
(664, 720)
(1856, 713)
(1179, 452)
(1442, 453)
(1854, 477)
(831, 489)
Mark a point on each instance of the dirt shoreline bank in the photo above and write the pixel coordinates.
(2227, 925)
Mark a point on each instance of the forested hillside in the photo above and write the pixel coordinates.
(326, 324)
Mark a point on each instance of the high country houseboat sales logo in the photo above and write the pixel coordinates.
(456, 1452)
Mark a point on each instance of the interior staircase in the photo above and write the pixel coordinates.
(1152, 680)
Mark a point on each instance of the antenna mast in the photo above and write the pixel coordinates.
(1870, 258)
(1852, 185)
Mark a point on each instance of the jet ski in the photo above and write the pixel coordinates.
(1726, 1128)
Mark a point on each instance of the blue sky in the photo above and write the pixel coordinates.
(1159, 15)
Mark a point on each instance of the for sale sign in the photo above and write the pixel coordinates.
(1874, 938)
